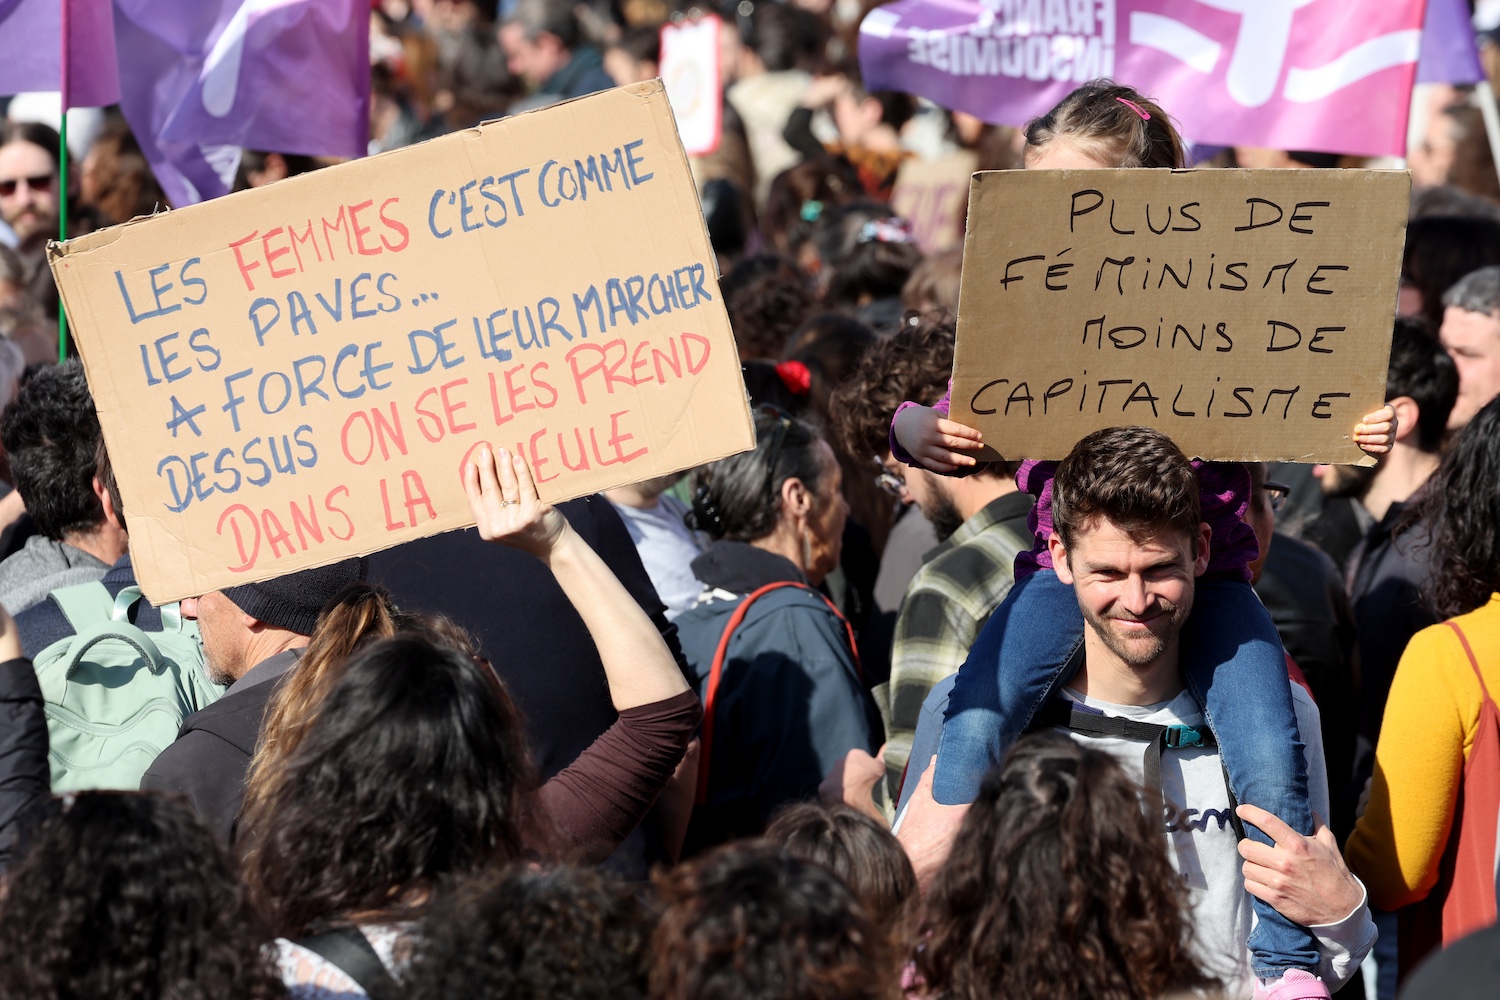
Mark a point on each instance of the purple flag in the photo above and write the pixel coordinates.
(1330, 75)
(203, 79)
(1449, 53)
(33, 55)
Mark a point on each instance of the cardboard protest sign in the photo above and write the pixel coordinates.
(1246, 313)
(298, 373)
(933, 196)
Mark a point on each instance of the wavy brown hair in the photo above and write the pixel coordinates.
(1461, 505)
(414, 767)
(359, 614)
(1058, 886)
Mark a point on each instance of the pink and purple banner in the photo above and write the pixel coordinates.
(1327, 75)
(64, 45)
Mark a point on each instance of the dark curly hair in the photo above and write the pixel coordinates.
(534, 934)
(914, 364)
(126, 895)
(767, 298)
(750, 922)
(1058, 886)
(52, 434)
(858, 849)
(414, 768)
(1441, 249)
(799, 196)
(1461, 505)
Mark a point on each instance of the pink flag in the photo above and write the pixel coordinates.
(66, 45)
(1328, 75)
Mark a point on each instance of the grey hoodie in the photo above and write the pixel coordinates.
(41, 567)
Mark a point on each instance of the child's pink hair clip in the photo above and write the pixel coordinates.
(1134, 107)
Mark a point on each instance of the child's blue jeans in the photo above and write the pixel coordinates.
(1233, 664)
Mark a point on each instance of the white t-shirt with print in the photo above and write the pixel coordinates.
(1202, 845)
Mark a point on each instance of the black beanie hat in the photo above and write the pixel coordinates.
(293, 601)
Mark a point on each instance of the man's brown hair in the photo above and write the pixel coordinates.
(1133, 477)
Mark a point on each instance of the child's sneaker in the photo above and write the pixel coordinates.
(1295, 985)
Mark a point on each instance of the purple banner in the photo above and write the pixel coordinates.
(1326, 75)
(203, 79)
(1449, 52)
(33, 56)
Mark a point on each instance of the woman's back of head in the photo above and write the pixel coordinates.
(527, 933)
(751, 922)
(124, 894)
(858, 849)
(739, 498)
(1057, 886)
(414, 767)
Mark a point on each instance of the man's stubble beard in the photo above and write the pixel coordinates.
(1143, 652)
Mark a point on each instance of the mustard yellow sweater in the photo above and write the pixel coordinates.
(1427, 734)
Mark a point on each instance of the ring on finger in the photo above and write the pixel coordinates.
(510, 503)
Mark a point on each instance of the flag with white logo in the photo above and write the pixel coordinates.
(1327, 75)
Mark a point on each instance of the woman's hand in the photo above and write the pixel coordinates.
(938, 443)
(1376, 433)
(506, 508)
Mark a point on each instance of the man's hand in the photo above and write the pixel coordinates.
(1303, 878)
(852, 782)
(928, 828)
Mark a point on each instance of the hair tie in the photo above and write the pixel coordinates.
(795, 376)
(705, 515)
(811, 211)
(1134, 107)
(889, 230)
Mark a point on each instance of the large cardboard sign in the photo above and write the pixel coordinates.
(1246, 313)
(933, 196)
(296, 374)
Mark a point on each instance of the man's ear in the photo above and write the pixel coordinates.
(1200, 558)
(1059, 551)
(108, 503)
(1407, 414)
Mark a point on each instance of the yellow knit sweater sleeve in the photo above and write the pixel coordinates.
(1425, 737)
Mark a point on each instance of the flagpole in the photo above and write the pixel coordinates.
(62, 161)
(62, 229)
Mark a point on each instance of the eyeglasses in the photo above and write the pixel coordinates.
(42, 182)
(784, 421)
(1280, 493)
(889, 481)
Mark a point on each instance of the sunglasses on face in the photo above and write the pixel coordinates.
(40, 183)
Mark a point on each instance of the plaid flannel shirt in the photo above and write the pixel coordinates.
(960, 584)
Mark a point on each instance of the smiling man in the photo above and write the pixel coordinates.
(1130, 541)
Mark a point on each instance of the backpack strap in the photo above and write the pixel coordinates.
(1158, 739)
(352, 953)
(716, 670)
(84, 604)
(1473, 662)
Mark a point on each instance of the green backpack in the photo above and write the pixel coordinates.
(116, 695)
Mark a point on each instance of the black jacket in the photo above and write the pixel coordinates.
(25, 778)
(210, 759)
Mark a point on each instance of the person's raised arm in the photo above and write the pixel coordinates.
(503, 499)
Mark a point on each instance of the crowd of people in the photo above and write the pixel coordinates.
(857, 713)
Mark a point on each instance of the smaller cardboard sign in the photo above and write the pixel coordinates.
(297, 374)
(933, 196)
(690, 69)
(1246, 313)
